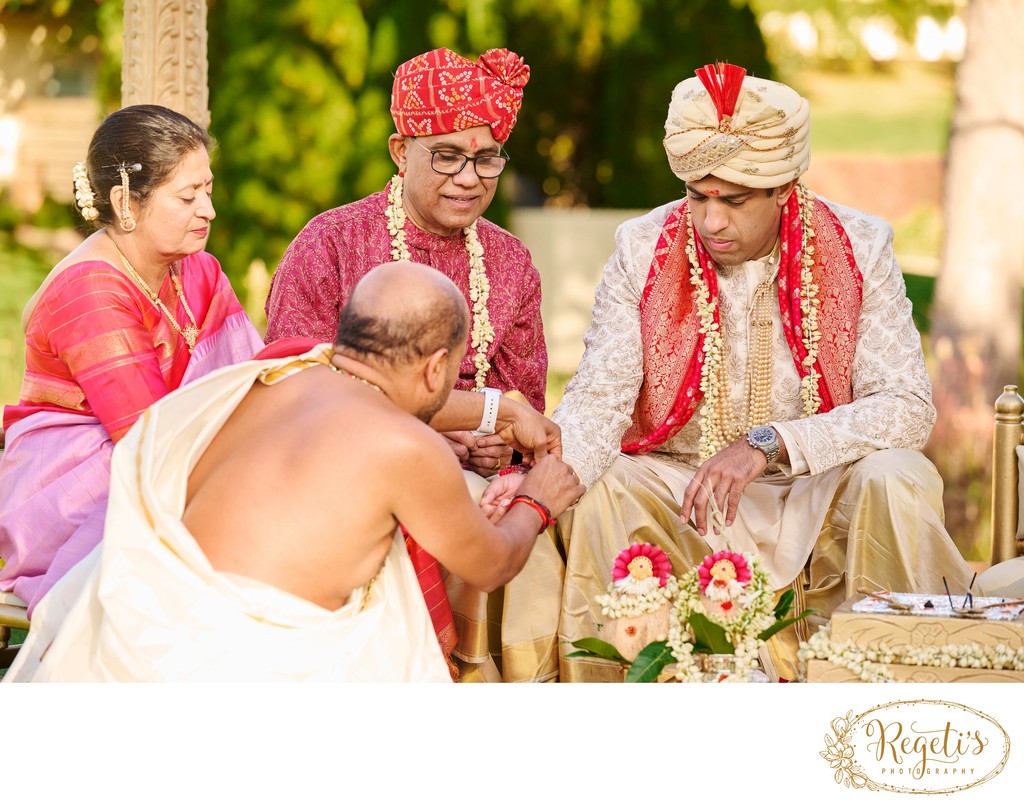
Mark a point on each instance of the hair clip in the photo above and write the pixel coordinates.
(127, 220)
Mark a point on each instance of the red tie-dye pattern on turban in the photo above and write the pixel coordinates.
(441, 92)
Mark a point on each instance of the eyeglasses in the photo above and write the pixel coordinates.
(486, 166)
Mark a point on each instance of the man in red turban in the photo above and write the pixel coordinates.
(441, 92)
(452, 118)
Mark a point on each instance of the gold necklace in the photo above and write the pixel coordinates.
(191, 332)
(351, 375)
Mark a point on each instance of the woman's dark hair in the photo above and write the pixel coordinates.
(155, 138)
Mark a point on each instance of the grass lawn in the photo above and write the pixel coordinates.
(903, 110)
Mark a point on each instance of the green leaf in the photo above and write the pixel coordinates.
(585, 654)
(649, 663)
(778, 626)
(595, 647)
(710, 635)
(785, 604)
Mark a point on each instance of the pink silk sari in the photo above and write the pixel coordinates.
(98, 353)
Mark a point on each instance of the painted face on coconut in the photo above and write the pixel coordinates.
(723, 571)
(641, 568)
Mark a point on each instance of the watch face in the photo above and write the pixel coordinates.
(763, 435)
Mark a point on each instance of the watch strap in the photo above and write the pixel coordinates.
(492, 399)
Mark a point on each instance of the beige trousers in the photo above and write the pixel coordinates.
(875, 524)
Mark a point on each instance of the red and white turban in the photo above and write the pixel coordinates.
(441, 92)
(748, 131)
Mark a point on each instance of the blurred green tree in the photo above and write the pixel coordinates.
(300, 95)
(839, 27)
(603, 72)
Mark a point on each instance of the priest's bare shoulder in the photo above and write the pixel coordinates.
(312, 506)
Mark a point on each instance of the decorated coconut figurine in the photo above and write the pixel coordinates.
(638, 599)
(723, 578)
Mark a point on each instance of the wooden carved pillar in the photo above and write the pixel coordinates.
(165, 56)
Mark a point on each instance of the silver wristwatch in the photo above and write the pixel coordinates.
(766, 439)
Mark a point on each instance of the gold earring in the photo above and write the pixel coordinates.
(127, 220)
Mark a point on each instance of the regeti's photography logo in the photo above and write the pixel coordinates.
(918, 746)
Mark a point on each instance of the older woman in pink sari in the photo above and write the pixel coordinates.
(134, 312)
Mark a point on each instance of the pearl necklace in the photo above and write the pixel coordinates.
(758, 379)
(191, 332)
(716, 410)
(482, 334)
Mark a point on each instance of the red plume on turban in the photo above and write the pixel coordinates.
(440, 92)
(723, 83)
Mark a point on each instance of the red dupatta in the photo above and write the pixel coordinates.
(670, 324)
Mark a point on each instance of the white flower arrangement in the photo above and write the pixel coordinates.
(728, 590)
(723, 608)
(85, 197)
(637, 599)
(870, 665)
(809, 305)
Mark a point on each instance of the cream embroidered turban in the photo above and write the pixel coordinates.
(749, 131)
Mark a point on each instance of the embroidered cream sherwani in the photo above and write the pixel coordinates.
(811, 505)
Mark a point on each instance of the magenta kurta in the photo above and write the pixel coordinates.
(340, 246)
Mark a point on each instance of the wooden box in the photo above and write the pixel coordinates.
(868, 624)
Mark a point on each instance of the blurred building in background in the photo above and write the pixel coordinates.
(48, 107)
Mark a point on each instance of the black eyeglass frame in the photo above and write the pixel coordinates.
(465, 159)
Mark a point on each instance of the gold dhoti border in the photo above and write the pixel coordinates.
(510, 634)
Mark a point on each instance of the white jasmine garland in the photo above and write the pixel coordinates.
(870, 665)
(85, 197)
(482, 333)
(809, 304)
(618, 603)
(754, 613)
(713, 434)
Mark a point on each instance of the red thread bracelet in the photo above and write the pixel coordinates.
(511, 470)
(536, 505)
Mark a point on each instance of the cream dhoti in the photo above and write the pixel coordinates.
(147, 605)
